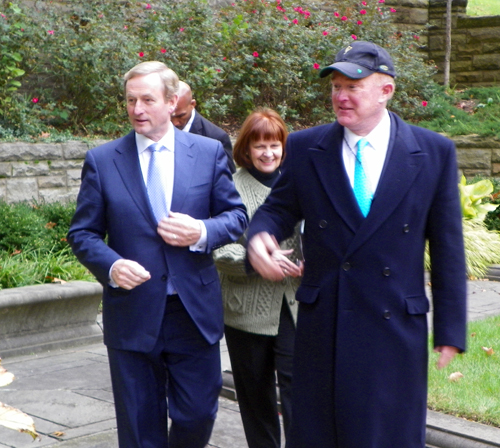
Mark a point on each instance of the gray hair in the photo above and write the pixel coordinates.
(168, 76)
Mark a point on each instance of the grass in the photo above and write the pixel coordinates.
(483, 8)
(475, 396)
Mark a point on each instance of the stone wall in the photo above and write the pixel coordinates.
(41, 171)
(475, 41)
(51, 171)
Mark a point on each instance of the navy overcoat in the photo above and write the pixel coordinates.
(360, 374)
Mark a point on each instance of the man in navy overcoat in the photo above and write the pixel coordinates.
(360, 362)
(162, 304)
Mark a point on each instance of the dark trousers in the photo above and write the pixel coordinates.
(182, 367)
(255, 361)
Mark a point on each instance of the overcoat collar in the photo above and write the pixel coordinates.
(127, 164)
(403, 162)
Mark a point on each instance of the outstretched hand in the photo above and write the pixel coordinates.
(269, 260)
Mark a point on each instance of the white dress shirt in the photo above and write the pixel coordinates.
(375, 152)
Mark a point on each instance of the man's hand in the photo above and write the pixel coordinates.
(269, 260)
(179, 230)
(128, 274)
(447, 354)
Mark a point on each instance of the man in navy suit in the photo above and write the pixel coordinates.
(360, 363)
(162, 305)
(186, 118)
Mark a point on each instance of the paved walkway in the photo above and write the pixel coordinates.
(68, 393)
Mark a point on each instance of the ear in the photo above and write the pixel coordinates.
(193, 102)
(173, 104)
(387, 91)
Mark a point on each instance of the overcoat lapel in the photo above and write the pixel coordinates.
(128, 166)
(403, 163)
(184, 168)
(329, 164)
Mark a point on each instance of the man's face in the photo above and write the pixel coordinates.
(183, 111)
(148, 111)
(359, 103)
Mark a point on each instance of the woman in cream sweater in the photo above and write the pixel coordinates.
(259, 315)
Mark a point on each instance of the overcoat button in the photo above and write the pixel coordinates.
(163, 278)
(322, 224)
(386, 272)
(406, 228)
(346, 266)
(387, 314)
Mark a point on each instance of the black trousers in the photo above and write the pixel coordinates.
(256, 361)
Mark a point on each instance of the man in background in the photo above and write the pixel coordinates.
(187, 119)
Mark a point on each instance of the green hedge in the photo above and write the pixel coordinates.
(62, 62)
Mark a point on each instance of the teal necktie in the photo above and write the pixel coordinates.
(362, 189)
(156, 190)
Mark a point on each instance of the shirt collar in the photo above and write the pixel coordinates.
(379, 136)
(167, 140)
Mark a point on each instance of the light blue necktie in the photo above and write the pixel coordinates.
(362, 189)
(156, 190)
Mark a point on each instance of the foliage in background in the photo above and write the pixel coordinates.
(471, 111)
(250, 53)
(33, 246)
(482, 243)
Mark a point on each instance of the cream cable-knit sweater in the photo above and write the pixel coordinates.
(252, 303)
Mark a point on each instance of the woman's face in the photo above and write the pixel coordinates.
(266, 155)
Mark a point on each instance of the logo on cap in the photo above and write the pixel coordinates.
(383, 67)
(349, 48)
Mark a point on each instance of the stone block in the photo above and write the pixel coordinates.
(48, 317)
(25, 151)
(481, 35)
(3, 190)
(486, 62)
(475, 141)
(21, 189)
(5, 169)
(495, 155)
(74, 149)
(66, 164)
(478, 159)
(28, 169)
(52, 182)
(74, 177)
(495, 168)
(97, 142)
(50, 195)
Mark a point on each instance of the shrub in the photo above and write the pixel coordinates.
(248, 54)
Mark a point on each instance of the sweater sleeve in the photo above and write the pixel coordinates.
(230, 259)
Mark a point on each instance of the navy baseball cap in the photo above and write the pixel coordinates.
(361, 59)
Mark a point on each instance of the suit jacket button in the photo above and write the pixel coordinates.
(346, 266)
(163, 278)
(387, 314)
(322, 224)
(406, 228)
(386, 272)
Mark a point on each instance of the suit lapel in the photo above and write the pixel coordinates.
(403, 163)
(329, 164)
(184, 168)
(128, 166)
(196, 125)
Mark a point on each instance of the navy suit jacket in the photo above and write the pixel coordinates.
(360, 366)
(202, 126)
(113, 204)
